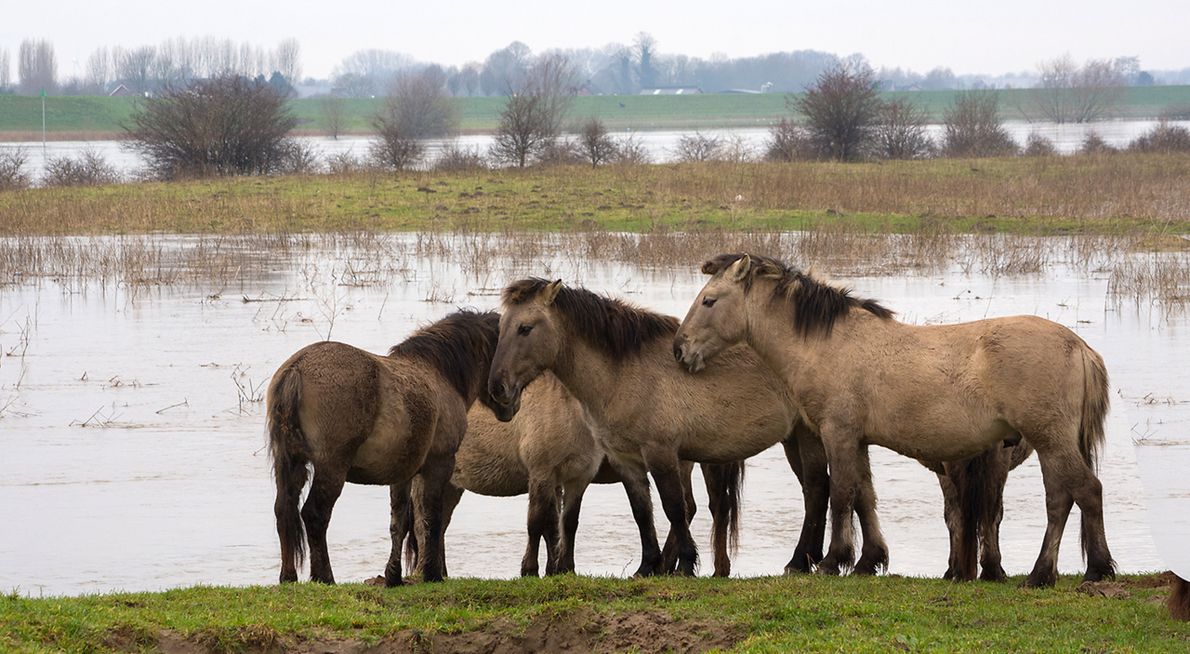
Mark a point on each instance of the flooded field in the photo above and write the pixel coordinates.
(132, 374)
(659, 144)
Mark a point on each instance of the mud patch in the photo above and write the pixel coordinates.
(580, 631)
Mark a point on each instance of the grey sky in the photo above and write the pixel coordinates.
(1008, 35)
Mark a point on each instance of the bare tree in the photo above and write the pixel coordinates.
(37, 67)
(287, 60)
(597, 146)
(900, 131)
(788, 142)
(135, 68)
(418, 107)
(698, 147)
(645, 51)
(532, 117)
(1069, 93)
(973, 127)
(88, 169)
(840, 109)
(332, 110)
(99, 70)
(1037, 145)
(222, 126)
(12, 169)
(5, 70)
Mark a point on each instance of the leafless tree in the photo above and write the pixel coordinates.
(88, 169)
(645, 52)
(900, 131)
(287, 60)
(630, 150)
(37, 67)
(222, 126)
(12, 169)
(135, 68)
(5, 69)
(366, 72)
(533, 115)
(597, 146)
(698, 147)
(788, 142)
(99, 70)
(1069, 93)
(1164, 137)
(973, 127)
(1037, 145)
(333, 110)
(418, 107)
(840, 109)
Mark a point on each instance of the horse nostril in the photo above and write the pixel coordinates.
(677, 352)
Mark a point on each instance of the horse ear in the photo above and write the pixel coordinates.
(739, 270)
(551, 291)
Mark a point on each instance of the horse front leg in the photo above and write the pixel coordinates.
(669, 553)
(435, 477)
(874, 555)
(667, 474)
(572, 502)
(636, 486)
(807, 459)
(842, 450)
(542, 519)
(400, 527)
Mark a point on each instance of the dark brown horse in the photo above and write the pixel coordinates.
(369, 419)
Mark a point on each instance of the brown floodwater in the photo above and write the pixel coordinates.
(132, 429)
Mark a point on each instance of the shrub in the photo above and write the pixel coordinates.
(1093, 143)
(1162, 138)
(596, 145)
(788, 142)
(345, 163)
(222, 126)
(1039, 146)
(973, 127)
(392, 150)
(696, 147)
(562, 152)
(12, 169)
(840, 109)
(900, 132)
(455, 157)
(630, 151)
(299, 158)
(88, 169)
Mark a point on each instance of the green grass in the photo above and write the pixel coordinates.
(771, 614)
(102, 116)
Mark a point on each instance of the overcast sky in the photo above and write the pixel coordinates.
(1004, 36)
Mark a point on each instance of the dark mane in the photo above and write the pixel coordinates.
(816, 305)
(615, 326)
(460, 346)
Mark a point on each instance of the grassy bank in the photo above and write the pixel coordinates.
(102, 117)
(758, 615)
(1103, 195)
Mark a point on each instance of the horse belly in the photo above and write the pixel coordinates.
(945, 442)
(386, 457)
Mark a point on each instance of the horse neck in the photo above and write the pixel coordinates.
(771, 335)
(588, 373)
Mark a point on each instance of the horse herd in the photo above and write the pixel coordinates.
(575, 388)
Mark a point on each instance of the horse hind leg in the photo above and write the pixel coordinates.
(636, 486)
(666, 471)
(723, 491)
(400, 529)
(999, 460)
(669, 552)
(435, 478)
(874, 555)
(316, 514)
(842, 449)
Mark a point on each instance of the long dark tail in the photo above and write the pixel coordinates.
(970, 480)
(1179, 599)
(412, 547)
(287, 445)
(1091, 437)
(730, 482)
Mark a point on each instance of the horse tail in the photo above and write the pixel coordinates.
(1091, 436)
(290, 453)
(412, 547)
(970, 480)
(1179, 599)
(731, 486)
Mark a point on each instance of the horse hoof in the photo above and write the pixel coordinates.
(828, 568)
(1039, 581)
(996, 575)
(864, 569)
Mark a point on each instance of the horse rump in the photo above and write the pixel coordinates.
(290, 454)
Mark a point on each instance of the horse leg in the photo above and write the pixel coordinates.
(1087, 491)
(806, 457)
(542, 511)
(667, 475)
(636, 486)
(842, 450)
(720, 516)
(1058, 501)
(572, 502)
(669, 553)
(435, 477)
(399, 529)
(451, 496)
(998, 460)
(316, 514)
(954, 526)
(874, 554)
(553, 533)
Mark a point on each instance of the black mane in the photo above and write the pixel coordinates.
(460, 346)
(816, 305)
(615, 326)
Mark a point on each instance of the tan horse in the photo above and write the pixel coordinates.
(368, 419)
(648, 415)
(549, 452)
(935, 393)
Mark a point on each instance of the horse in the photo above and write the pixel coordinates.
(362, 418)
(935, 393)
(648, 416)
(548, 452)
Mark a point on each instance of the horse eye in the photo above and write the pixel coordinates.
(708, 302)
(524, 330)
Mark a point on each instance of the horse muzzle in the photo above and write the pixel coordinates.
(506, 399)
(686, 357)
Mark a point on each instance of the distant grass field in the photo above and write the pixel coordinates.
(1120, 194)
(102, 117)
(767, 614)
